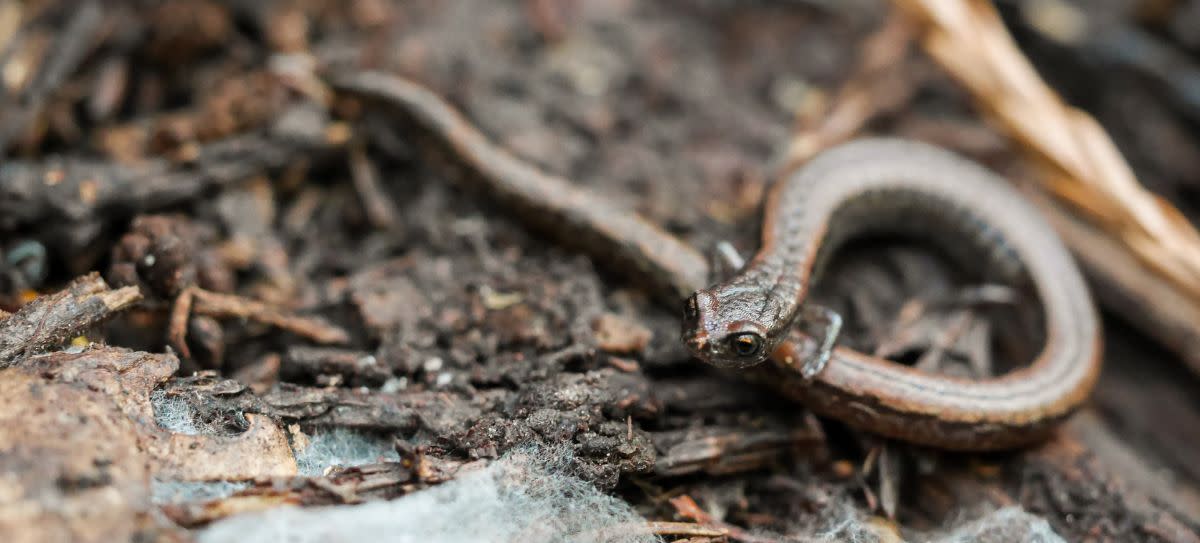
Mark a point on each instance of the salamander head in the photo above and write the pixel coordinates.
(725, 327)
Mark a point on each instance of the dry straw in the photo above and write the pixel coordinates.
(1085, 169)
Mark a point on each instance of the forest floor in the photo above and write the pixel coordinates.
(303, 278)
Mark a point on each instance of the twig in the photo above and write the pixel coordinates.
(195, 300)
(49, 320)
(223, 306)
(181, 309)
(375, 201)
(686, 507)
(78, 190)
(682, 528)
(73, 45)
(721, 451)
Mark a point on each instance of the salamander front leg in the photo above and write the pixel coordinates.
(811, 314)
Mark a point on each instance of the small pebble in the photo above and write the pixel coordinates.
(394, 384)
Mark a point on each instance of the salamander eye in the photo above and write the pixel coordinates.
(745, 344)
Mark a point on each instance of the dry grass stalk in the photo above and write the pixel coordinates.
(1085, 169)
(880, 83)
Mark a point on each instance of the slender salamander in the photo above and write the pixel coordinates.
(853, 190)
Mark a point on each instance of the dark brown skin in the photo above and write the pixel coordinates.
(853, 190)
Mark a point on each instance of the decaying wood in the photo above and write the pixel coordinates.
(50, 320)
(460, 336)
(86, 476)
(722, 451)
(82, 477)
(77, 189)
